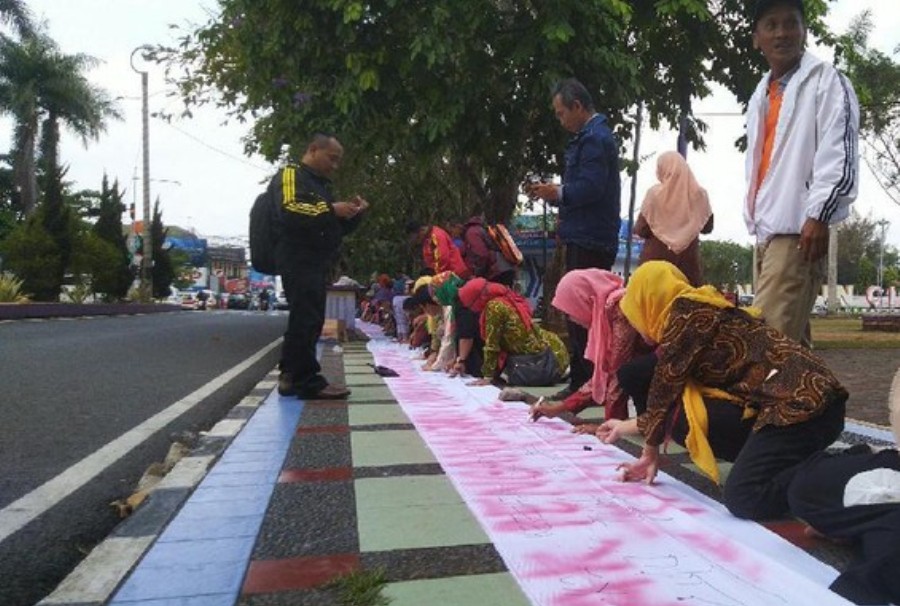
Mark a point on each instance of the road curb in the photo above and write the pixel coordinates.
(99, 575)
(26, 311)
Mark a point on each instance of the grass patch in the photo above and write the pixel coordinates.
(844, 332)
(361, 588)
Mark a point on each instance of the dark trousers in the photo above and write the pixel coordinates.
(578, 257)
(467, 327)
(727, 429)
(816, 496)
(305, 289)
(757, 486)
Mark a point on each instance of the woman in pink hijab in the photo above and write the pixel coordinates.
(590, 297)
(674, 214)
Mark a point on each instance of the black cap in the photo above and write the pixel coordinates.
(763, 6)
(412, 227)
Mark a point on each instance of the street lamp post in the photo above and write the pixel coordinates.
(883, 225)
(147, 258)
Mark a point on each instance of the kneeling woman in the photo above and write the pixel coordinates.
(506, 327)
(590, 298)
(714, 355)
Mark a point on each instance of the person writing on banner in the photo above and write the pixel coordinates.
(506, 328)
(441, 352)
(674, 214)
(854, 495)
(588, 200)
(802, 165)
(313, 226)
(720, 372)
(590, 297)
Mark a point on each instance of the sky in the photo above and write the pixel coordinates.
(205, 181)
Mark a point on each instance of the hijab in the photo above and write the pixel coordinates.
(647, 303)
(676, 208)
(478, 292)
(583, 295)
(444, 287)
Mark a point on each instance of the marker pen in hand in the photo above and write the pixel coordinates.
(537, 414)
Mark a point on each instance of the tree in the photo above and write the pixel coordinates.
(726, 264)
(465, 82)
(55, 215)
(10, 213)
(38, 82)
(16, 13)
(32, 255)
(876, 78)
(163, 270)
(116, 275)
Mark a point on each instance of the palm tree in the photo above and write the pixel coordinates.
(38, 82)
(15, 13)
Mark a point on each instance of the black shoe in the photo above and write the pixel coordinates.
(329, 392)
(286, 384)
(563, 393)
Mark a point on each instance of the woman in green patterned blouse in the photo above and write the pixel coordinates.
(507, 327)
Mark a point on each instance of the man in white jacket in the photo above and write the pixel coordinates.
(801, 165)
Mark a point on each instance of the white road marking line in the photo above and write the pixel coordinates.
(21, 512)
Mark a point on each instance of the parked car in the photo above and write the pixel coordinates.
(238, 300)
(189, 300)
(281, 301)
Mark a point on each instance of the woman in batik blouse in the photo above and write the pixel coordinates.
(719, 370)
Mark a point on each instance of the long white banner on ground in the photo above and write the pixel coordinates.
(570, 532)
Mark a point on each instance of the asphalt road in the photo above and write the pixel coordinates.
(69, 388)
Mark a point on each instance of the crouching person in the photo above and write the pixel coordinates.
(712, 356)
(855, 496)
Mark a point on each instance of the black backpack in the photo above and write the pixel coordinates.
(265, 227)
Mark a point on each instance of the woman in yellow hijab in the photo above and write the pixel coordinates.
(720, 369)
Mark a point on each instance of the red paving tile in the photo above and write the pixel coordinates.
(269, 576)
(793, 531)
(327, 474)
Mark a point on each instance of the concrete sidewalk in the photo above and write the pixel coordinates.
(286, 496)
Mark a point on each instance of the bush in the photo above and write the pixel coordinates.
(32, 255)
(11, 289)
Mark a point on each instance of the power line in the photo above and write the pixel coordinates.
(215, 149)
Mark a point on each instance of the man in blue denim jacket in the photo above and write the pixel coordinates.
(588, 200)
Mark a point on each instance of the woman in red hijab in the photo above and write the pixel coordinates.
(507, 327)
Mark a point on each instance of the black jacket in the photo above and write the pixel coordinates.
(310, 230)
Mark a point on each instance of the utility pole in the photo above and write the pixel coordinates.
(883, 225)
(147, 258)
(832, 269)
(636, 157)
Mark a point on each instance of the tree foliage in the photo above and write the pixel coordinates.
(453, 97)
(860, 253)
(876, 78)
(726, 264)
(30, 253)
(114, 276)
(39, 83)
(163, 269)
